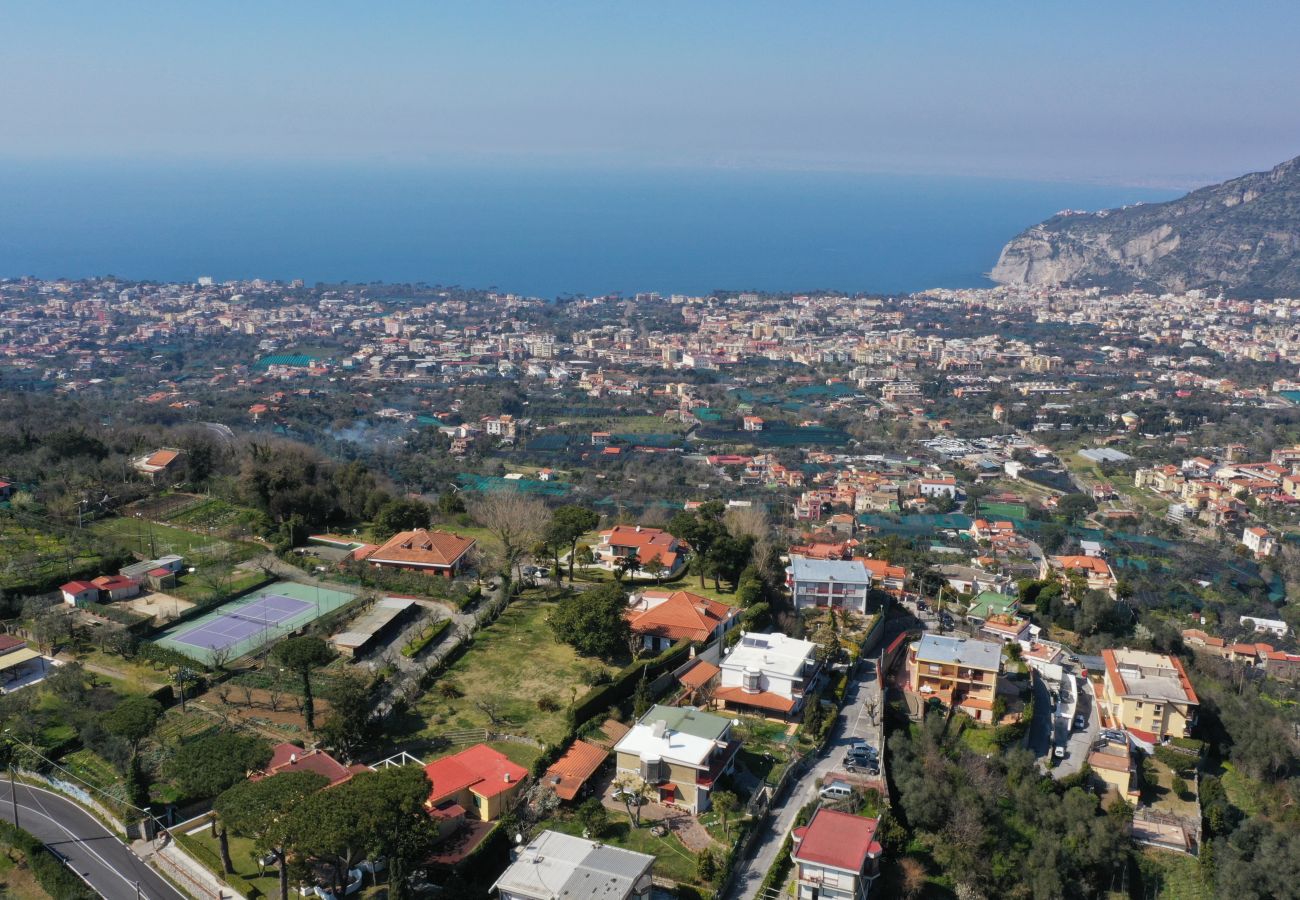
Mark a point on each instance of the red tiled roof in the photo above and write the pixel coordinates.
(837, 839)
(423, 548)
(162, 458)
(77, 587)
(9, 642)
(761, 699)
(484, 771)
(699, 674)
(112, 582)
(288, 757)
(681, 615)
(570, 772)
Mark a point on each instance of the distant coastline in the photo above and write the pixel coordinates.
(542, 233)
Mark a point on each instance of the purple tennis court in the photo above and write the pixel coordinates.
(234, 626)
(248, 623)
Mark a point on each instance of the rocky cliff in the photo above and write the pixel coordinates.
(1241, 237)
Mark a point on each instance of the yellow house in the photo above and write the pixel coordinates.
(960, 672)
(476, 783)
(1114, 766)
(1147, 694)
(680, 752)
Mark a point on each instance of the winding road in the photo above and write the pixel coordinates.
(90, 849)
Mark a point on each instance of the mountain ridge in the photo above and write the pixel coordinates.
(1241, 237)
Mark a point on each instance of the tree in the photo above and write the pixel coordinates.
(706, 867)
(400, 515)
(568, 525)
(208, 765)
(724, 804)
(593, 622)
(728, 557)
(913, 877)
(641, 699)
(302, 654)
(594, 817)
(655, 568)
(516, 520)
(627, 564)
(132, 720)
(701, 529)
(633, 791)
(347, 728)
(263, 811)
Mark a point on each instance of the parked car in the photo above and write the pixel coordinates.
(836, 790)
(1080, 722)
(629, 798)
(1059, 751)
(863, 751)
(1115, 737)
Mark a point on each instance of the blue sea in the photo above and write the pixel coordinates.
(543, 232)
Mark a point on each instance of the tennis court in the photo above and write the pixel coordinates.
(252, 621)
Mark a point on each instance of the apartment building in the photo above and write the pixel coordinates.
(960, 672)
(835, 583)
(554, 865)
(1147, 694)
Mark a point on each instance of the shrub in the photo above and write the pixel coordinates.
(547, 703)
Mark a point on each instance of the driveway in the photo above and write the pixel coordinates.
(852, 721)
(91, 850)
(1079, 744)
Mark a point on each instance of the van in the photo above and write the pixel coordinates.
(836, 790)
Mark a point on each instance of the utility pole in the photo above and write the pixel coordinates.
(13, 793)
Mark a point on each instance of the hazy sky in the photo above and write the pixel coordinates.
(1140, 92)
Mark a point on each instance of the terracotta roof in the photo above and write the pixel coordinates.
(111, 582)
(423, 548)
(699, 674)
(570, 772)
(486, 772)
(837, 839)
(9, 642)
(761, 699)
(681, 615)
(650, 543)
(77, 587)
(288, 757)
(162, 458)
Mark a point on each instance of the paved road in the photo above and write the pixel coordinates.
(1080, 743)
(853, 722)
(90, 848)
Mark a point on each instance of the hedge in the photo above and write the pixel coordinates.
(426, 637)
(622, 685)
(58, 880)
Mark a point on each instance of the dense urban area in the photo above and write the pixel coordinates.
(399, 590)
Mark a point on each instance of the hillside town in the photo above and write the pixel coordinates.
(404, 590)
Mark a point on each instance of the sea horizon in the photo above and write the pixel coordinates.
(543, 231)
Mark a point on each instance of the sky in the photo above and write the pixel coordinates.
(1153, 93)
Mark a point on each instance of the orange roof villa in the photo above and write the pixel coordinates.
(433, 552)
(649, 544)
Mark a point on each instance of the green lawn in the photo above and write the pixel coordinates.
(981, 740)
(513, 663)
(242, 857)
(674, 860)
(1177, 876)
(1242, 790)
(193, 588)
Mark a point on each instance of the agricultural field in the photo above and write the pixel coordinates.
(29, 555)
(149, 539)
(532, 698)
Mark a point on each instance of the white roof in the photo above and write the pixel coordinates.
(673, 746)
(848, 571)
(775, 654)
(557, 865)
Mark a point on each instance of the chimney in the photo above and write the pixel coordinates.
(658, 728)
(638, 529)
(293, 758)
(506, 776)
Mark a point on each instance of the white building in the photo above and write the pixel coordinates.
(772, 673)
(1272, 626)
(836, 583)
(560, 865)
(1259, 541)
